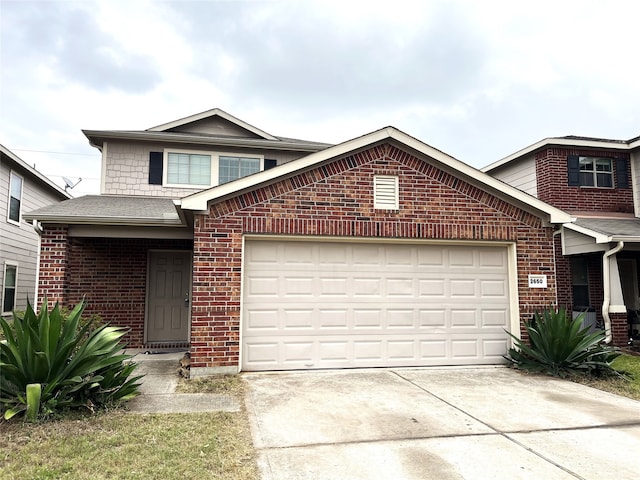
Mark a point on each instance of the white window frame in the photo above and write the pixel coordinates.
(215, 162)
(595, 172)
(13, 174)
(9, 263)
(385, 192)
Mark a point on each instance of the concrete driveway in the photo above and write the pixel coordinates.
(475, 423)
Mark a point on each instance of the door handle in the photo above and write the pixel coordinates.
(186, 299)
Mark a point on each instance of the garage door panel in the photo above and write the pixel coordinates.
(362, 305)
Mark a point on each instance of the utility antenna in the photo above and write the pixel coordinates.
(68, 183)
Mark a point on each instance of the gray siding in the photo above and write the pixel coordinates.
(126, 168)
(520, 174)
(19, 243)
(576, 243)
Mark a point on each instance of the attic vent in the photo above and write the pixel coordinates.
(385, 192)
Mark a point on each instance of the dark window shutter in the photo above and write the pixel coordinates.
(155, 168)
(573, 170)
(269, 163)
(622, 177)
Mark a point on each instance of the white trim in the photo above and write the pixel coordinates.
(8, 263)
(10, 220)
(561, 142)
(199, 201)
(601, 237)
(214, 157)
(215, 112)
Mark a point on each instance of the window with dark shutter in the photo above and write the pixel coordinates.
(573, 170)
(155, 168)
(622, 176)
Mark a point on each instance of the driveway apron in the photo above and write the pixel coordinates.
(463, 423)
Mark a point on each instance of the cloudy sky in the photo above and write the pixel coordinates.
(476, 79)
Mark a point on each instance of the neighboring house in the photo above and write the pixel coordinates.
(265, 253)
(598, 253)
(22, 188)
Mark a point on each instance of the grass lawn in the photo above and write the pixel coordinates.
(625, 363)
(134, 446)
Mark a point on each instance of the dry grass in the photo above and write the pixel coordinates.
(627, 386)
(123, 445)
(223, 384)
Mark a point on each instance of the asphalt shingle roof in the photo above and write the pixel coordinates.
(110, 209)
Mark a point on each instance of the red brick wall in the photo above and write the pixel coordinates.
(109, 273)
(335, 199)
(551, 172)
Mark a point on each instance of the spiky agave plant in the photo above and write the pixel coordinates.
(74, 365)
(559, 346)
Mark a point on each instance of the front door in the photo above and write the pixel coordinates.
(168, 296)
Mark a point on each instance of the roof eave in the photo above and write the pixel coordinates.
(95, 138)
(112, 221)
(562, 142)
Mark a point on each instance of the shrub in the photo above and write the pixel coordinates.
(76, 366)
(559, 346)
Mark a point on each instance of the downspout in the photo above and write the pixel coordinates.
(606, 279)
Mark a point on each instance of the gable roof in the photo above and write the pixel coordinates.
(208, 114)
(567, 141)
(35, 174)
(200, 200)
(173, 133)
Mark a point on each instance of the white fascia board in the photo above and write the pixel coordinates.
(42, 178)
(211, 113)
(181, 138)
(561, 142)
(131, 221)
(198, 201)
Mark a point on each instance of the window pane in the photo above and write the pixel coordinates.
(586, 164)
(9, 294)
(605, 180)
(14, 209)
(232, 168)
(16, 186)
(603, 164)
(586, 179)
(187, 169)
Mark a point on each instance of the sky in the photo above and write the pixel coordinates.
(478, 80)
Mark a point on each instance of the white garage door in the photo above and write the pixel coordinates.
(334, 305)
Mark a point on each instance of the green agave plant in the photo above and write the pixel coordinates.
(73, 365)
(559, 346)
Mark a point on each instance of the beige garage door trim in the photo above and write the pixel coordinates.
(345, 304)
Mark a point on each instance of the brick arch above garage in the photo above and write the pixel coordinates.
(334, 199)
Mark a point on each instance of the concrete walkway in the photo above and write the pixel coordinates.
(159, 386)
(485, 423)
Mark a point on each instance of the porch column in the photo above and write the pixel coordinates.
(54, 251)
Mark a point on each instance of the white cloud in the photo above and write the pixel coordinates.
(475, 79)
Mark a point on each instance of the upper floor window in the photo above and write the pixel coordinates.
(599, 172)
(201, 169)
(15, 198)
(188, 169)
(596, 172)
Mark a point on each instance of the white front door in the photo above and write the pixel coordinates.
(168, 297)
(335, 305)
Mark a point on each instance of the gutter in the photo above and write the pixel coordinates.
(606, 279)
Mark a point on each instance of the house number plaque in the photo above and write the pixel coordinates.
(537, 281)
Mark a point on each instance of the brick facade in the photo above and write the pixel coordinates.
(109, 273)
(335, 199)
(553, 188)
